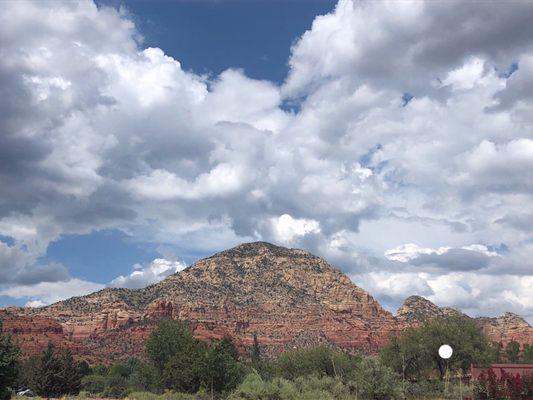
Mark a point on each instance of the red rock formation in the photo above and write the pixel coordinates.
(287, 297)
(504, 329)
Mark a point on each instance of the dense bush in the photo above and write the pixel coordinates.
(202, 395)
(120, 379)
(302, 388)
(320, 361)
(376, 381)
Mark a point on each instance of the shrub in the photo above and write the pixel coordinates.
(375, 381)
(321, 361)
(302, 388)
(93, 384)
(255, 388)
(168, 396)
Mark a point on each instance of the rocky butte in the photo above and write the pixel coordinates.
(503, 329)
(288, 298)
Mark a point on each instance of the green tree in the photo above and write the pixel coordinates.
(495, 352)
(9, 359)
(177, 356)
(406, 354)
(527, 354)
(55, 374)
(222, 370)
(512, 351)
(71, 374)
(47, 381)
(415, 353)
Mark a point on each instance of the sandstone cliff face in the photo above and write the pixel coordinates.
(504, 329)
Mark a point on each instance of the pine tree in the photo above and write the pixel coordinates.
(56, 375)
(70, 377)
(9, 358)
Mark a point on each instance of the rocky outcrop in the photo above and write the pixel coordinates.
(506, 328)
(31, 332)
(287, 297)
(503, 329)
(420, 309)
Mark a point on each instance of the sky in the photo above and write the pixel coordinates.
(393, 139)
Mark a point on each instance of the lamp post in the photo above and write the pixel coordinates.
(445, 352)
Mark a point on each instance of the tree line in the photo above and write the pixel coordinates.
(177, 363)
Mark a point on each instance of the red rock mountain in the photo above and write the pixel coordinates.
(287, 297)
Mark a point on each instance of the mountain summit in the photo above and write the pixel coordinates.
(287, 297)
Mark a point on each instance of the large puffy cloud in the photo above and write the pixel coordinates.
(406, 46)
(412, 127)
(144, 275)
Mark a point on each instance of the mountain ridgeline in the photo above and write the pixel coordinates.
(288, 298)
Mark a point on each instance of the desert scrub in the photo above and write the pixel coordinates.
(302, 388)
(202, 395)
